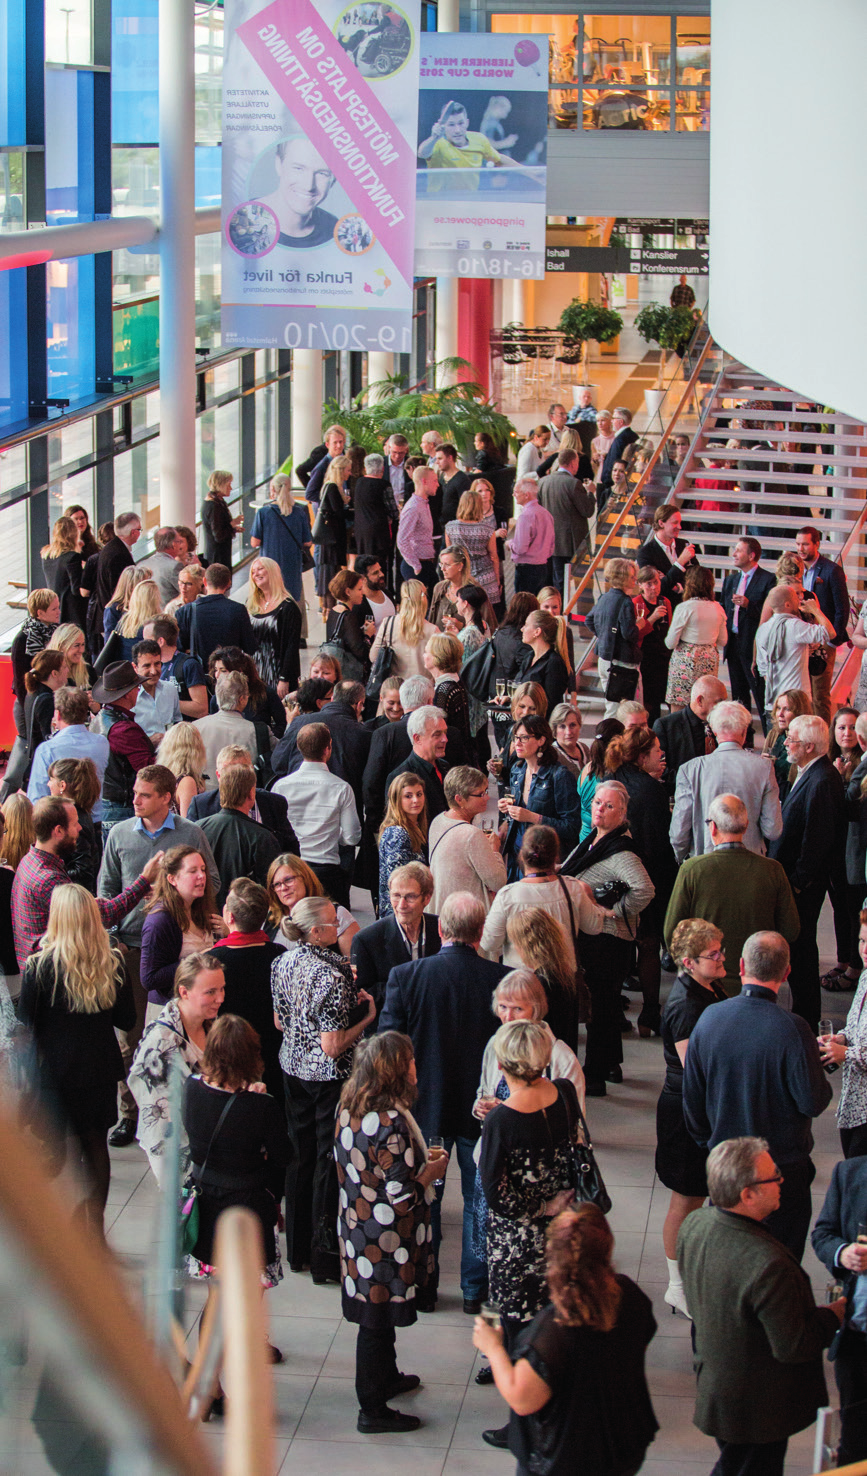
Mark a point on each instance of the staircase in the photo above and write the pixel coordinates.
(781, 463)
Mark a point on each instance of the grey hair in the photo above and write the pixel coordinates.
(416, 691)
(522, 982)
(164, 538)
(812, 730)
(125, 520)
(373, 465)
(617, 786)
(728, 717)
(729, 814)
(232, 687)
(420, 719)
(306, 914)
(530, 480)
(731, 1168)
(462, 918)
(624, 414)
(523, 1048)
(628, 708)
(765, 957)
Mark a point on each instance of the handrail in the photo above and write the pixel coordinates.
(638, 489)
(101, 1324)
(249, 1390)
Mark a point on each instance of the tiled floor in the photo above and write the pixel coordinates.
(314, 1392)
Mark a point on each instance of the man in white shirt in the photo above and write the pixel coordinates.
(157, 706)
(376, 604)
(322, 812)
(783, 645)
(557, 418)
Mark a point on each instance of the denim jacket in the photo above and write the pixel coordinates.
(554, 796)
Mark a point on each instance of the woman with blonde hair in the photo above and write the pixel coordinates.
(403, 833)
(479, 538)
(443, 659)
(145, 604)
(457, 570)
(62, 566)
(118, 605)
(290, 880)
(276, 620)
(547, 660)
(18, 834)
(407, 633)
(191, 582)
(217, 522)
(332, 514)
(789, 705)
(71, 641)
(282, 531)
(74, 993)
(183, 751)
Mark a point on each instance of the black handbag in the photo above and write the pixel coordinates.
(622, 683)
(477, 673)
(382, 665)
(587, 1181)
(319, 533)
(336, 647)
(585, 1007)
(188, 1210)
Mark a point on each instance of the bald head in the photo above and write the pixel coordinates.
(728, 818)
(424, 480)
(705, 694)
(783, 600)
(765, 960)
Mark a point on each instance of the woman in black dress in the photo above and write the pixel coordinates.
(332, 513)
(62, 570)
(246, 955)
(342, 625)
(577, 1372)
(510, 651)
(680, 1163)
(652, 618)
(73, 994)
(276, 620)
(443, 658)
(49, 671)
(545, 663)
(218, 525)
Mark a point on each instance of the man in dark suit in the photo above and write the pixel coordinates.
(836, 1241)
(392, 744)
(407, 934)
(335, 445)
(444, 1005)
(427, 731)
(453, 482)
(564, 494)
(668, 552)
(745, 590)
(313, 693)
(269, 809)
(814, 833)
(685, 734)
(113, 559)
(621, 449)
(757, 1332)
(350, 742)
(826, 581)
(241, 847)
(214, 620)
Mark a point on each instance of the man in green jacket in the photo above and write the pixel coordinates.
(738, 891)
(758, 1333)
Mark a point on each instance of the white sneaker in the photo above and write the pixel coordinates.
(675, 1296)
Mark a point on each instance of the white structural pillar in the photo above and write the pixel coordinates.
(179, 489)
(513, 301)
(379, 366)
(446, 339)
(307, 397)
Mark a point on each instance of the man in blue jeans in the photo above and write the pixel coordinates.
(443, 1004)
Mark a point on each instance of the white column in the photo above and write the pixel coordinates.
(513, 301)
(179, 482)
(446, 340)
(307, 397)
(379, 366)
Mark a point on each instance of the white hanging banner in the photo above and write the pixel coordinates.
(320, 104)
(482, 147)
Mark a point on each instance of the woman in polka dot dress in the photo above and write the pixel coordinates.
(386, 1258)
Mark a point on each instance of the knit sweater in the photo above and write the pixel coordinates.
(127, 852)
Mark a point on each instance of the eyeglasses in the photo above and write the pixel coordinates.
(755, 1184)
(482, 794)
(283, 886)
(715, 957)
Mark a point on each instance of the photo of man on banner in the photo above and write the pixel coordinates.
(303, 182)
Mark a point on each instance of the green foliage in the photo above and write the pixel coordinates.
(390, 407)
(667, 326)
(590, 322)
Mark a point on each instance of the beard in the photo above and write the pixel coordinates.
(66, 848)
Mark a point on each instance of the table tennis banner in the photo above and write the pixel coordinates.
(320, 112)
(482, 150)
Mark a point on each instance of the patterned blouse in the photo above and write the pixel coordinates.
(395, 849)
(852, 1111)
(313, 990)
(475, 538)
(163, 1040)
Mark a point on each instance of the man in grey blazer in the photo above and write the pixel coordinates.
(570, 497)
(730, 769)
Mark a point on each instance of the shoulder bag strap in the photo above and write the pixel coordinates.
(565, 890)
(289, 529)
(441, 837)
(198, 1170)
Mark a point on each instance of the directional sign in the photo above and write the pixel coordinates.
(643, 226)
(584, 259)
(658, 261)
(648, 261)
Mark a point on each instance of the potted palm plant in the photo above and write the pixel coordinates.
(586, 323)
(669, 327)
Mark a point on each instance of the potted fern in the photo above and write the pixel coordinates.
(586, 323)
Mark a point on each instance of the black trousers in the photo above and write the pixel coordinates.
(654, 680)
(746, 683)
(804, 978)
(853, 1141)
(336, 882)
(791, 1222)
(750, 1460)
(607, 962)
(558, 564)
(375, 1367)
(530, 578)
(850, 1371)
(311, 1178)
(846, 899)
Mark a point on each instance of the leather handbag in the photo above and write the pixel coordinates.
(622, 683)
(477, 673)
(587, 1181)
(383, 664)
(319, 532)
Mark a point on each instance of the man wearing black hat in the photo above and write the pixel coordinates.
(131, 748)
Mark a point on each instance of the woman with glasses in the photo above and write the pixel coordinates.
(290, 880)
(542, 793)
(680, 1163)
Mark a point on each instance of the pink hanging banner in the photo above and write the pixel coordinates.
(339, 112)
